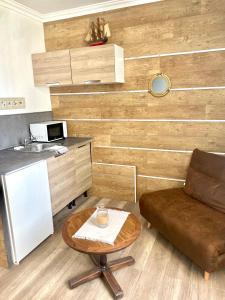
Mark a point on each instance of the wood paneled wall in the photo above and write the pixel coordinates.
(117, 182)
(3, 251)
(131, 127)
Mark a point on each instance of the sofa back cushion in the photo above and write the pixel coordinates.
(206, 179)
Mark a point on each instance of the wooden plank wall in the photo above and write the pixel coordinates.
(116, 182)
(131, 127)
(3, 251)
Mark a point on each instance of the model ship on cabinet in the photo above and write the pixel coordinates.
(98, 33)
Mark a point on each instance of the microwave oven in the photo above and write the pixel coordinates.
(48, 131)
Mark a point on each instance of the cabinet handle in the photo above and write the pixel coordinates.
(52, 83)
(92, 81)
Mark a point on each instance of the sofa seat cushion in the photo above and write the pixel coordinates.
(194, 228)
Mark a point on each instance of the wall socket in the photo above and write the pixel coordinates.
(12, 103)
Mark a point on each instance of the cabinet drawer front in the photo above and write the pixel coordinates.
(62, 162)
(62, 180)
(99, 64)
(52, 67)
(84, 184)
(83, 171)
(69, 176)
(82, 154)
(63, 194)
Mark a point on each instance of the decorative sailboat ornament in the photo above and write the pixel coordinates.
(98, 33)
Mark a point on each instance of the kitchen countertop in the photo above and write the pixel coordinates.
(13, 160)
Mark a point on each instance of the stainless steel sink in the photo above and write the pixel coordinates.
(35, 147)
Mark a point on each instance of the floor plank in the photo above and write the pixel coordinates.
(160, 271)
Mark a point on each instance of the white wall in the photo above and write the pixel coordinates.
(19, 37)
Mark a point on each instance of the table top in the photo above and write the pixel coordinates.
(128, 234)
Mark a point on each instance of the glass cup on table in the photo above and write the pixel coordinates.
(102, 216)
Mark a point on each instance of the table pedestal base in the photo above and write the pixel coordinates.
(104, 269)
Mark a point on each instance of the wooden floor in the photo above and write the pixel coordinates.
(160, 272)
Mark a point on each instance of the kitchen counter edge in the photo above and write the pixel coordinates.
(11, 161)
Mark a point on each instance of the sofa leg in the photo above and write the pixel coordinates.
(206, 276)
(148, 225)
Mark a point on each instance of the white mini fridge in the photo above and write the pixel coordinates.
(28, 208)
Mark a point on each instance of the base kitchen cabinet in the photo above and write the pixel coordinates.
(69, 176)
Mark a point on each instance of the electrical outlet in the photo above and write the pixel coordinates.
(12, 103)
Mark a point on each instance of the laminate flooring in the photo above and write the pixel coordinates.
(160, 272)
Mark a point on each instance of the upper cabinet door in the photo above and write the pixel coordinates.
(97, 65)
(52, 68)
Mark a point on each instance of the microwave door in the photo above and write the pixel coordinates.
(55, 131)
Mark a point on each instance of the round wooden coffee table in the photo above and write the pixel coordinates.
(98, 251)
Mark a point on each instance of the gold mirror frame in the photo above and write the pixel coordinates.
(166, 78)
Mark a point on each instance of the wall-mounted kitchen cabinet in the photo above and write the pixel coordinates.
(100, 64)
(87, 65)
(50, 68)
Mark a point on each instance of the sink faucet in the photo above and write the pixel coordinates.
(27, 141)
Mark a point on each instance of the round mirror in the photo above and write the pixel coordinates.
(160, 85)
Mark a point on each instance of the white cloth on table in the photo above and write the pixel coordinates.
(90, 231)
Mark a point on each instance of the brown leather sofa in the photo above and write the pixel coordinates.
(193, 218)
